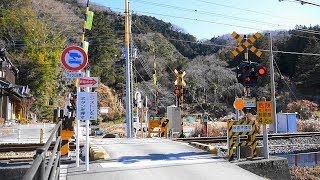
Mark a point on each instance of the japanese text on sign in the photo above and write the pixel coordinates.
(242, 128)
(87, 106)
(264, 109)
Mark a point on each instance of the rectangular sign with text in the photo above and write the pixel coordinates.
(88, 81)
(71, 74)
(87, 106)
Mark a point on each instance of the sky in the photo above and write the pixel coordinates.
(211, 18)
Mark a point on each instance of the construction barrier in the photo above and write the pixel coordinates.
(241, 128)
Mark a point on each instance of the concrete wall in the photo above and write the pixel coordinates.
(275, 168)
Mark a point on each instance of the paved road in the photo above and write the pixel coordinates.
(157, 159)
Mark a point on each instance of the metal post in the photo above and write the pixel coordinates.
(273, 88)
(59, 147)
(77, 138)
(128, 80)
(87, 130)
(207, 125)
(41, 136)
(19, 132)
(238, 137)
(265, 139)
(146, 111)
(265, 142)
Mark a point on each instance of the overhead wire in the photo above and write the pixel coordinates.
(172, 71)
(219, 23)
(282, 77)
(203, 12)
(226, 16)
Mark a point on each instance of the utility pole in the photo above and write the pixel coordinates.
(128, 74)
(132, 58)
(273, 89)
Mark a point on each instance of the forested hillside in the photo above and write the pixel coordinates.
(34, 35)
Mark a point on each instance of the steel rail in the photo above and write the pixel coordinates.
(28, 147)
(220, 139)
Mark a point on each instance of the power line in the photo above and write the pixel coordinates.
(204, 12)
(213, 22)
(305, 2)
(281, 77)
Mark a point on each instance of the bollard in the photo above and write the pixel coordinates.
(41, 136)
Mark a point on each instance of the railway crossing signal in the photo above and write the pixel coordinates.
(248, 73)
(180, 91)
(246, 43)
(180, 75)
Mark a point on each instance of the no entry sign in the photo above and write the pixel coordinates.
(74, 58)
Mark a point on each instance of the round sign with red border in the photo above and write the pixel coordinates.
(74, 58)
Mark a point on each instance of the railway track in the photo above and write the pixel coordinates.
(27, 147)
(220, 139)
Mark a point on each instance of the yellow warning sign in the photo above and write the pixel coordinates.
(264, 109)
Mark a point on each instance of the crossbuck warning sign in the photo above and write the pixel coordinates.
(246, 43)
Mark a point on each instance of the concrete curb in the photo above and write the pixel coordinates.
(97, 152)
(205, 147)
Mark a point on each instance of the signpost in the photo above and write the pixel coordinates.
(88, 81)
(74, 58)
(264, 111)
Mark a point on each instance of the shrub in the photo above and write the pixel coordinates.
(305, 108)
(308, 126)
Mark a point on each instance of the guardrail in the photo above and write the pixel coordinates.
(40, 167)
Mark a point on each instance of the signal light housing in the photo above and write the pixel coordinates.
(177, 91)
(248, 73)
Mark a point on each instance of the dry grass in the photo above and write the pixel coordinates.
(308, 125)
(214, 128)
(304, 173)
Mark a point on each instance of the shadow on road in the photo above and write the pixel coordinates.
(167, 157)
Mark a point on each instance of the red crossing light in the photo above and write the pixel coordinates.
(177, 91)
(262, 71)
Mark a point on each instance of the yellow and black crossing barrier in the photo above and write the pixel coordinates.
(158, 126)
(246, 43)
(241, 128)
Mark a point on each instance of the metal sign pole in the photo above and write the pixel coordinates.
(77, 132)
(238, 137)
(87, 130)
(273, 89)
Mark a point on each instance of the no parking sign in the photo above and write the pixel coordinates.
(74, 58)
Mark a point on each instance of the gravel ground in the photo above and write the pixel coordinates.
(3, 155)
(281, 146)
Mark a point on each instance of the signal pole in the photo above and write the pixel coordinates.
(273, 89)
(128, 74)
(246, 57)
